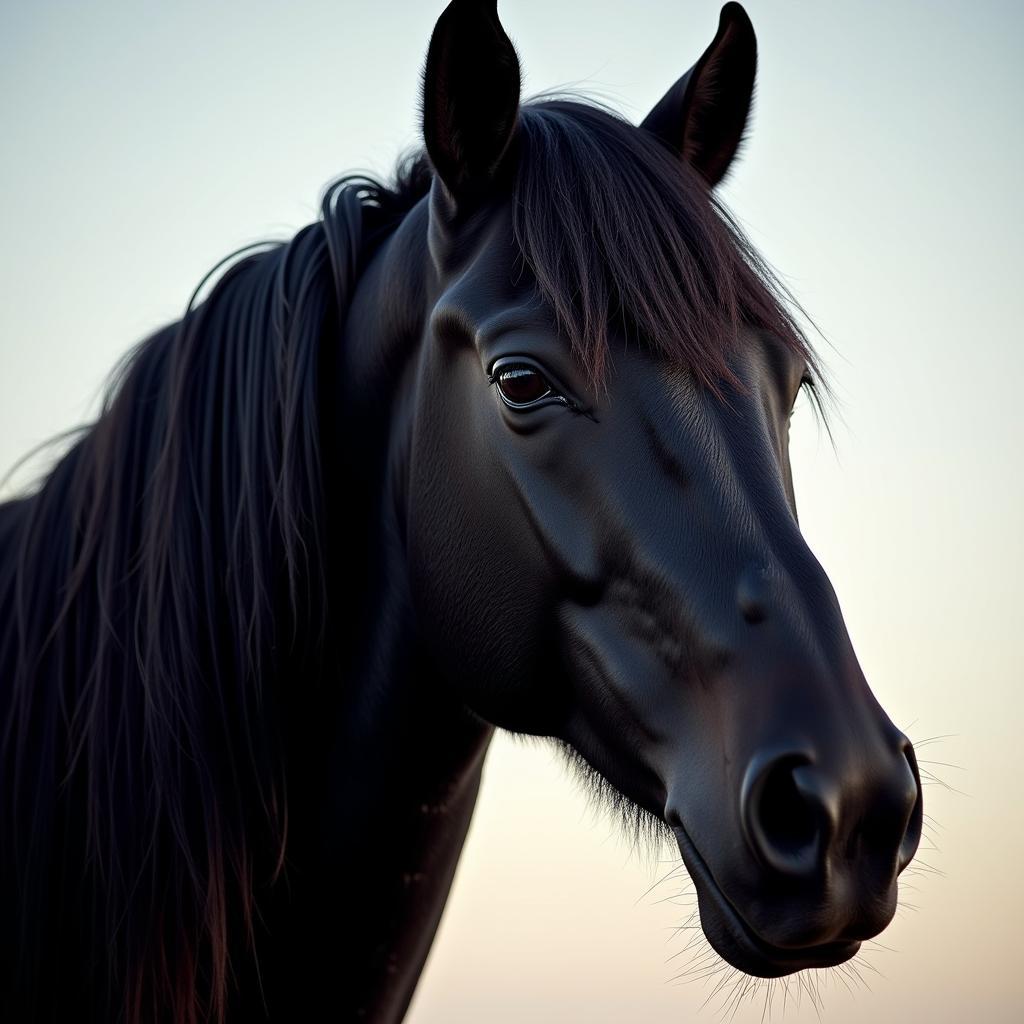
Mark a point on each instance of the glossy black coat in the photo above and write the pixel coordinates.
(614, 564)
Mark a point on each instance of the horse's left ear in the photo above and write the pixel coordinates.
(703, 115)
(471, 89)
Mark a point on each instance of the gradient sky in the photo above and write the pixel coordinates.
(142, 142)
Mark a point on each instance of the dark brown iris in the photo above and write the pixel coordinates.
(521, 385)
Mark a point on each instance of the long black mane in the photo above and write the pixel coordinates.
(163, 580)
(164, 587)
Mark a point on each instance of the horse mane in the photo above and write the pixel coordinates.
(167, 574)
(166, 580)
(617, 229)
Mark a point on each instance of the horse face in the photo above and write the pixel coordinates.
(622, 568)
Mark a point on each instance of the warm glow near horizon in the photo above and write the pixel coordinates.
(142, 143)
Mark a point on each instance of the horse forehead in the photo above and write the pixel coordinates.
(489, 290)
(479, 254)
(488, 306)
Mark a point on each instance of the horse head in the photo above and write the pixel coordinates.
(599, 513)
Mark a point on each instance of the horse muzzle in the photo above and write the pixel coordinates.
(816, 872)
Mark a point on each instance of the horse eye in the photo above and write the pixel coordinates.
(521, 385)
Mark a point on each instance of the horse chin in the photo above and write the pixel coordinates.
(734, 941)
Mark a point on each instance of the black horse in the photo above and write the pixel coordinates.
(504, 444)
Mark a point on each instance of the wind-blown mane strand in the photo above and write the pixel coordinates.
(615, 228)
(166, 586)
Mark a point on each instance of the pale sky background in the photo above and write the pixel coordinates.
(141, 142)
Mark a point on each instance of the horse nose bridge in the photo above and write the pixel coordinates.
(741, 591)
(778, 577)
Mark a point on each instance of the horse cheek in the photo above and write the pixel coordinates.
(479, 583)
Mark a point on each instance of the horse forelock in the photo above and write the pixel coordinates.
(617, 230)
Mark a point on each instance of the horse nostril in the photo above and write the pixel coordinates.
(788, 813)
(915, 818)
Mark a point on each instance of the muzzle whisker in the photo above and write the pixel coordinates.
(767, 995)
(689, 924)
(690, 943)
(661, 881)
(734, 1001)
(740, 989)
(727, 972)
(839, 976)
(706, 975)
(730, 983)
(942, 764)
(875, 944)
(812, 992)
(699, 963)
(680, 899)
(924, 868)
(929, 778)
(927, 741)
(867, 965)
(749, 992)
(694, 941)
(709, 972)
(853, 972)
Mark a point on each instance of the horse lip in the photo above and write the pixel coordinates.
(756, 956)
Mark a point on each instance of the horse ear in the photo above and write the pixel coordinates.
(702, 117)
(470, 97)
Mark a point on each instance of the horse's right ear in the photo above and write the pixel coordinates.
(470, 98)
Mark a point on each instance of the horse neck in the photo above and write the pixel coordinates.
(366, 472)
(403, 756)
